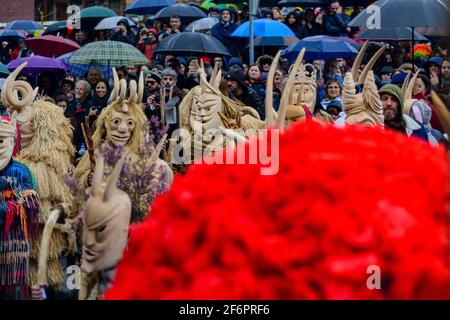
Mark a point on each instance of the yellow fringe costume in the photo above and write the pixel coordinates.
(48, 156)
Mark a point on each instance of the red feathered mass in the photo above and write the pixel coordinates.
(343, 200)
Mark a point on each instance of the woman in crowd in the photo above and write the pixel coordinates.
(255, 81)
(333, 92)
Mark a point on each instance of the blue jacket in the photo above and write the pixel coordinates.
(223, 34)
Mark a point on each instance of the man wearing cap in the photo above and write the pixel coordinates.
(394, 119)
(239, 91)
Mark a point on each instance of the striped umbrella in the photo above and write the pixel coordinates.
(108, 53)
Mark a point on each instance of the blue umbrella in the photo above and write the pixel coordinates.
(24, 25)
(111, 23)
(143, 7)
(264, 28)
(320, 47)
(6, 35)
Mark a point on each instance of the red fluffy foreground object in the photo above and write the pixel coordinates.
(343, 200)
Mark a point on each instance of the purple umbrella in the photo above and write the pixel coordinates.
(37, 64)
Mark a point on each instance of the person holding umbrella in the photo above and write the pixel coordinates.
(123, 33)
(5, 53)
(223, 30)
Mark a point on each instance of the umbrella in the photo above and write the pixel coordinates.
(406, 13)
(389, 34)
(95, 12)
(320, 47)
(37, 64)
(24, 25)
(108, 53)
(51, 46)
(275, 41)
(3, 70)
(80, 70)
(303, 3)
(192, 43)
(264, 28)
(55, 28)
(6, 35)
(111, 23)
(202, 25)
(143, 7)
(186, 12)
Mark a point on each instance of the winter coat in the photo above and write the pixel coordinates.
(335, 25)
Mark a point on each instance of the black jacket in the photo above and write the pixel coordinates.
(76, 113)
(250, 98)
(128, 38)
(335, 25)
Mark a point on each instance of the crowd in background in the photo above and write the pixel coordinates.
(81, 97)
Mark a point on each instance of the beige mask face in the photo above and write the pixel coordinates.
(24, 119)
(105, 233)
(121, 128)
(205, 109)
(303, 94)
(6, 149)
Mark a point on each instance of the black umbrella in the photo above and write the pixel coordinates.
(303, 3)
(55, 28)
(186, 12)
(389, 34)
(192, 44)
(405, 13)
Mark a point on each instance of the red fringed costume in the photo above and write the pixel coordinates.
(343, 199)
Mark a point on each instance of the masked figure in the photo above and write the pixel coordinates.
(300, 93)
(46, 148)
(204, 110)
(106, 218)
(18, 216)
(123, 126)
(364, 107)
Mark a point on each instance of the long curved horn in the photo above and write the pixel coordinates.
(369, 66)
(358, 60)
(98, 176)
(50, 224)
(10, 87)
(409, 89)
(133, 93)
(270, 112)
(286, 92)
(115, 90)
(123, 90)
(113, 178)
(405, 84)
(140, 92)
(212, 80)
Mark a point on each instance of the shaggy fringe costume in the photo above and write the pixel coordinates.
(48, 156)
(133, 147)
(19, 207)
